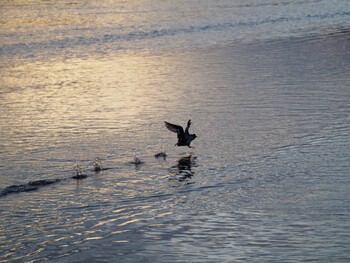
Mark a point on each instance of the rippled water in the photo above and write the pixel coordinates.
(268, 179)
(64, 28)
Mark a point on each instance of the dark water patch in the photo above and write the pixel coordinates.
(31, 186)
(81, 176)
(271, 4)
(36, 185)
(103, 169)
(183, 169)
(87, 207)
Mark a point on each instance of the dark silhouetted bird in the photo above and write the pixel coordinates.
(184, 137)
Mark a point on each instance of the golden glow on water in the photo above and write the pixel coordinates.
(49, 15)
(82, 96)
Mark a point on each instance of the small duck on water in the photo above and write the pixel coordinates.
(184, 137)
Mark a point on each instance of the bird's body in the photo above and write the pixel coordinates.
(184, 137)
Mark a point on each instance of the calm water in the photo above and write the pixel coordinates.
(266, 85)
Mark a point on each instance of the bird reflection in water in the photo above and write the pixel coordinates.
(183, 168)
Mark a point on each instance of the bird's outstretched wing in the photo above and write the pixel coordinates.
(188, 126)
(174, 128)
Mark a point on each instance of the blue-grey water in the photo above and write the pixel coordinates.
(266, 85)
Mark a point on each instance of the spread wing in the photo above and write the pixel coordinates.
(175, 128)
(188, 126)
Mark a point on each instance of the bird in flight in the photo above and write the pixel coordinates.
(184, 137)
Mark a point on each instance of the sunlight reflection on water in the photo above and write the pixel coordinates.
(265, 179)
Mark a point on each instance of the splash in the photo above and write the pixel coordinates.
(160, 155)
(137, 161)
(97, 164)
(78, 172)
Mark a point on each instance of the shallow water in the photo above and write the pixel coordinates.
(267, 180)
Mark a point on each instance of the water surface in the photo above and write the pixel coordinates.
(268, 178)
